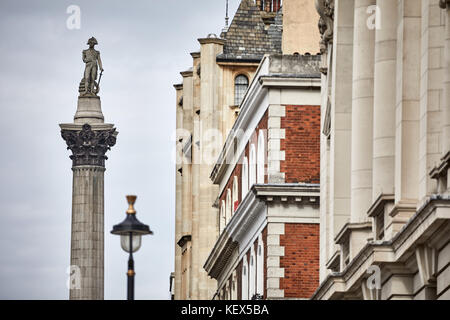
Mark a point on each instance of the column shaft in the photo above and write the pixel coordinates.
(87, 243)
(446, 128)
(362, 112)
(384, 100)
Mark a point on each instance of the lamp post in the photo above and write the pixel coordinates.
(131, 230)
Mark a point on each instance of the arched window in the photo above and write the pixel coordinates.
(228, 206)
(260, 267)
(252, 273)
(240, 87)
(252, 167)
(234, 286)
(244, 273)
(222, 216)
(235, 196)
(261, 157)
(244, 183)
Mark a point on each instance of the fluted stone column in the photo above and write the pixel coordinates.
(384, 100)
(362, 113)
(89, 139)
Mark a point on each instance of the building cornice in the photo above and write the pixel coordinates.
(213, 40)
(186, 74)
(378, 205)
(419, 229)
(183, 240)
(235, 234)
(238, 62)
(347, 229)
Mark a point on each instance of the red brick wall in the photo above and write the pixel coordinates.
(301, 260)
(302, 144)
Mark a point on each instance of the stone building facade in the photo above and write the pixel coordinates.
(385, 205)
(268, 176)
(247, 91)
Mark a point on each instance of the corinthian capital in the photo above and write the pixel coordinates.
(88, 146)
(325, 8)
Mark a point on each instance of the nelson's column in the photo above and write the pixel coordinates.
(89, 138)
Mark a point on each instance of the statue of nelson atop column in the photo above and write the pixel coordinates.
(91, 57)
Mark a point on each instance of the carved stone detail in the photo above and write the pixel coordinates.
(89, 147)
(444, 4)
(325, 8)
(427, 264)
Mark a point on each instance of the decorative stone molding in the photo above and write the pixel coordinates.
(439, 173)
(427, 263)
(444, 4)
(424, 227)
(325, 8)
(88, 146)
(326, 130)
(183, 240)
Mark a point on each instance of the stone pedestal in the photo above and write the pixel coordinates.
(89, 139)
(89, 110)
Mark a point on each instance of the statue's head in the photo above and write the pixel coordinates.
(92, 42)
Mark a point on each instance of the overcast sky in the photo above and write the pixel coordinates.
(144, 45)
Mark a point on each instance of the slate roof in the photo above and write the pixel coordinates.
(247, 39)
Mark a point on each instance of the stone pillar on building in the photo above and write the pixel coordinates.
(384, 100)
(89, 138)
(185, 241)
(407, 114)
(178, 202)
(362, 112)
(196, 263)
(211, 146)
(336, 28)
(445, 4)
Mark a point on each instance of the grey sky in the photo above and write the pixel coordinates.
(144, 46)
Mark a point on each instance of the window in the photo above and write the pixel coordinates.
(235, 195)
(260, 267)
(234, 286)
(244, 279)
(261, 157)
(228, 206)
(252, 166)
(252, 273)
(244, 183)
(222, 216)
(240, 87)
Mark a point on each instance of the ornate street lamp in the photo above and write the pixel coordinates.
(131, 230)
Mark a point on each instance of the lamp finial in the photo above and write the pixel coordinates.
(131, 200)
